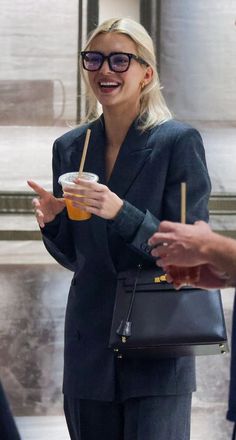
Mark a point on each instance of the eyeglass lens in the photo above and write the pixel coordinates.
(118, 62)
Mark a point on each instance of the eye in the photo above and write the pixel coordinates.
(120, 59)
(93, 59)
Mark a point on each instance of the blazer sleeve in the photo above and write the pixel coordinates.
(57, 235)
(135, 227)
(187, 164)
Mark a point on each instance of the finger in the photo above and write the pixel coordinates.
(79, 194)
(88, 184)
(92, 200)
(169, 278)
(159, 238)
(87, 207)
(37, 188)
(160, 263)
(160, 251)
(36, 203)
(166, 226)
(39, 217)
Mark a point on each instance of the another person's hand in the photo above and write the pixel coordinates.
(180, 244)
(94, 198)
(46, 206)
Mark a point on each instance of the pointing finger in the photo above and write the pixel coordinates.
(37, 188)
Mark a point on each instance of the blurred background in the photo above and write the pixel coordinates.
(41, 97)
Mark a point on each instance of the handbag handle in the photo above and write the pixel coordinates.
(124, 329)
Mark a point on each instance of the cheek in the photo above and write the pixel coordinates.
(133, 80)
(133, 86)
(91, 80)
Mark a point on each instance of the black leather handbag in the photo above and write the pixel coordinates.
(152, 319)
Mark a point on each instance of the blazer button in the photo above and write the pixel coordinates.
(145, 247)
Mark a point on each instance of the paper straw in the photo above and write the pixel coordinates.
(86, 142)
(183, 202)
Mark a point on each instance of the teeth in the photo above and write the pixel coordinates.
(108, 84)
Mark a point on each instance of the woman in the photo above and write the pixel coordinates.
(140, 155)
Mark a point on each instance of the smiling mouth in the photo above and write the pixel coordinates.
(108, 84)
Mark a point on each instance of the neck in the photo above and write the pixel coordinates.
(117, 126)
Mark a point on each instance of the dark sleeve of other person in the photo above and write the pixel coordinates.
(231, 413)
(8, 429)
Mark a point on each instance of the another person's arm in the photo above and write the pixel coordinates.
(196, 245)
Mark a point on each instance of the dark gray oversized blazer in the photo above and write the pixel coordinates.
(147, 175)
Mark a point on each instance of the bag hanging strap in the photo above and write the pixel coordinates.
(124, 329)
(234, 432)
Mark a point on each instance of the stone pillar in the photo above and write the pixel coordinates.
(92, 14)
(150, 18)
(88, 13)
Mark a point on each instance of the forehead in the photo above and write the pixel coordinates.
(113, 42)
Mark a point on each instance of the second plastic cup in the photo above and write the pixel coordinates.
(67, 181)
(184, 276)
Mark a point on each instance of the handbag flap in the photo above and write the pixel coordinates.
(147, 279)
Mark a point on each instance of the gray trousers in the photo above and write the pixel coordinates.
(144, 418)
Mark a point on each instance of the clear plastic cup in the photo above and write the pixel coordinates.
(184, 276)
(67, 181)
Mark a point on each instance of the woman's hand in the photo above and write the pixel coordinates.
(46, 206)
(94, 198)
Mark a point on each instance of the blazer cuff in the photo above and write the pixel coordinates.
(127, 221)
(50, 230)
(149, 225)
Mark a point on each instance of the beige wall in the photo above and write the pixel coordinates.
(198, 63)
(38, 40)
(120, 8)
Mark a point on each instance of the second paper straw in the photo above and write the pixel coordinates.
(183, 202)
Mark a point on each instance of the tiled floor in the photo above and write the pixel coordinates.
(207, 424)
(43, 428)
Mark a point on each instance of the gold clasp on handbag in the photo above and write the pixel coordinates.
(160, 279)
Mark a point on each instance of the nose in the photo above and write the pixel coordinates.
(105, 68)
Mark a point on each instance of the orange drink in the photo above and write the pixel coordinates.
(184, 276)
(68, 181)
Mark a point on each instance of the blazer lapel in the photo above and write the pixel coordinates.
(131, 158)
(95, 158)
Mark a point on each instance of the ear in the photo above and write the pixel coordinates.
(148, 75)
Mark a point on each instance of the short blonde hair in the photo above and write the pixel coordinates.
(153, 108)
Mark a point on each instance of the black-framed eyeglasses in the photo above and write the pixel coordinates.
(117, 61)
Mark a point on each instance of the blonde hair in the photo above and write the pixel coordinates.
(153, 108)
